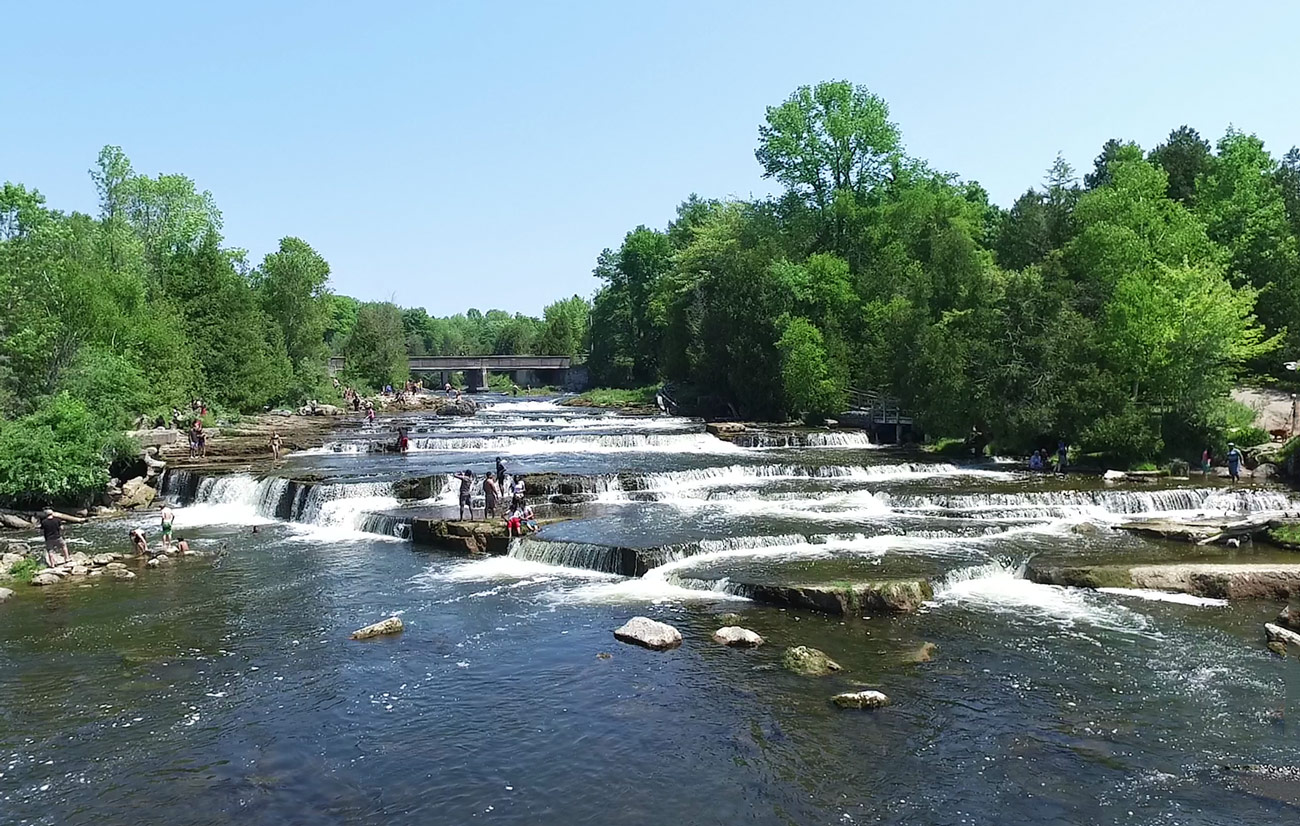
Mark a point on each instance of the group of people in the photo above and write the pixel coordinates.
(52, 522)
(519, 517)
(141, 543)
(1042, 460)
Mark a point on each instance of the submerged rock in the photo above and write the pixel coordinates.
(5, 593)
(924, 654)
(115, 566)
(737, 637)
(808, 661)
(46, 577)
(652, 634)
(861, 699)
(392, 625)
(122, 573)
(103, 559)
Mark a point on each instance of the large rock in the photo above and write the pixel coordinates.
(7, 561)
(116, 566)
(649, 633)
(1276, 633)
(1218, 581)
(392, 625)
(861, 699)
(1289, 618)
(5, 593)
(455, 407)
(809, 661)
(842, 598)
(46, 578)
(121, 573)
(737, 637)
(136, 494)
(1265, 471)
(17, 523)
(20, 548)
(102, 559)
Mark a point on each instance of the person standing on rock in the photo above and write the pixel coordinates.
(466, 493)
(517, 489)
(501, 475)
(275, 447)
(168, 519)
(1234, 463)
(491, 495)
(52, 529)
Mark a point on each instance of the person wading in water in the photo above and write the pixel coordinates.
(168, 519)
(52, 529)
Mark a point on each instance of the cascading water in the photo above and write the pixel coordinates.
(241, 499)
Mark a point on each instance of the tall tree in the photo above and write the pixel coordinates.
(375, 352)
(1184, 156)
(292, 285)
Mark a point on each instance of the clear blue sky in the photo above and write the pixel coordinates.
(482, 154)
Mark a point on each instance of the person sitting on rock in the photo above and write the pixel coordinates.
(514, 523)
(138, 541)
(528, 521)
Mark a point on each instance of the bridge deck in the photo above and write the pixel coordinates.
(454, 364)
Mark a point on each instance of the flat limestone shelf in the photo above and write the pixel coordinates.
(1207, 529)
(1218, 580)
(473, 537)
(857, 598)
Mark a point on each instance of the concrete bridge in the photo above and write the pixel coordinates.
(525, 371)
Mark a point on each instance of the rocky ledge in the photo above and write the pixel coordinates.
(863, 598)
(1219, 581)
(487, 536)
(85, 566)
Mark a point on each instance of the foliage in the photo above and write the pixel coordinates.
(375, 353)
(57, 453)
(616, 397)
(24, 569)
(809, 389)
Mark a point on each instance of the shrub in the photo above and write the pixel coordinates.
(23, 570)
(55, 454)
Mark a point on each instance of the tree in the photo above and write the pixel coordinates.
(375, 352)
(1184, 157)
(292, 286)
(1111, 151)
(564, 331)
(829, 138)
(805, 374)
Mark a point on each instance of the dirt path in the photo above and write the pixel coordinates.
(1273, 408)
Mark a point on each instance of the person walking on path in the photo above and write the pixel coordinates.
(491, 494)
(168, 519)
(1234, 463)
(466, 493)
(275, 447)
(52, 530)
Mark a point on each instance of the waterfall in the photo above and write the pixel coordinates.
(608, 559)
(350, 506)
(1066, 503)
(857, 439)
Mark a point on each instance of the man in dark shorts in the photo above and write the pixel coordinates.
(466, 493)
(491, 494)
(501, 474)
(52, 529)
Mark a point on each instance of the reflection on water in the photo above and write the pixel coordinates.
(224, 689)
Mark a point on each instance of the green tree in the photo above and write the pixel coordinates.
(805, 374)
(292, 284)
(375, 352)
(828, 138)
(564, 331)
(1184, 157)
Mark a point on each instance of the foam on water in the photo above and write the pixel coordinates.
(524, 407)
(507, 568)
(1165, 596)
(609, 443)
(1001, 587)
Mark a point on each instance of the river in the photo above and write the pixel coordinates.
(224, 689)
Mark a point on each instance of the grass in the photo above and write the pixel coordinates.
(955, 448)
(617, 398)
(1286, 535)
(23, 571)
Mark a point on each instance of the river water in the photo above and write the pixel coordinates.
(224, 689)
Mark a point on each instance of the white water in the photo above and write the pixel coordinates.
(1165, 596)
(610, 443)
(323, 511)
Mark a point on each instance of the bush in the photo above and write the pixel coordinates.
(1247, 436)
(55, 454)
(24, 570)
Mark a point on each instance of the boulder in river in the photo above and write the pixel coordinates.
(7, 561)
(392, 625)
(136, 494)
(1278, 634)
(17, 523)
(122, 573)
(1114, 476)
(737, 637)
(5, 593)
(46, 577)
(455, 407)
(861, 699)
(808, 661)
(649, 633)
(116, 566)
(1289, 618)
(102, 559)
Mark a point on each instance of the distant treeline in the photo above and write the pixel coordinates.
(1114, 312)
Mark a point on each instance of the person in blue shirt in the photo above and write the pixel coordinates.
(1234, 462)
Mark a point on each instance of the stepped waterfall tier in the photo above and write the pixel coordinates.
(1025, 636)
